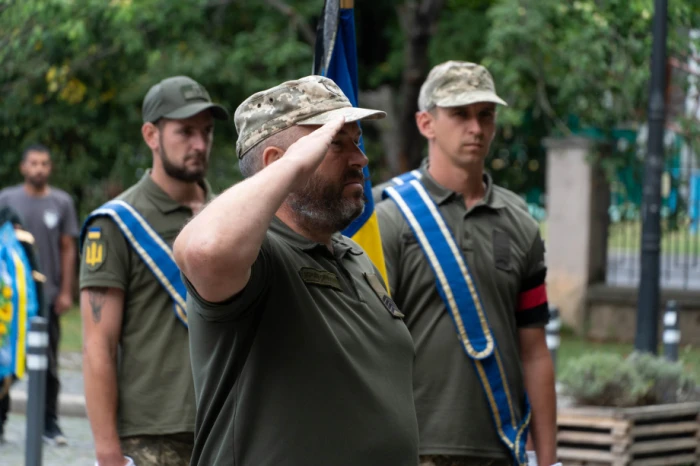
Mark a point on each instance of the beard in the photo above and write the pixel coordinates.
(38, 182)
(321, 206)
(182, 173)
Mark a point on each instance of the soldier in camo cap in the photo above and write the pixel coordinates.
(455, 83)
(299, 354)
(504, 252)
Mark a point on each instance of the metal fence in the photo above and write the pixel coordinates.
(680, 213)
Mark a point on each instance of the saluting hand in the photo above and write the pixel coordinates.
(308, 152)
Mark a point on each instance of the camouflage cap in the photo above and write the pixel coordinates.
(313, 100)
(456, 83)
(177, 98)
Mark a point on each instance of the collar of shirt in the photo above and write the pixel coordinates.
(160, 198)
(441, 194)
(341, 245)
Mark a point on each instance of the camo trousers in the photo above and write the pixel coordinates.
(444, 460)
(159, 450)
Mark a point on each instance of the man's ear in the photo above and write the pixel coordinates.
(424, 121)
(271, 154)
(150, 133)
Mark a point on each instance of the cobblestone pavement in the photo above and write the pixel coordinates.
(78, 452)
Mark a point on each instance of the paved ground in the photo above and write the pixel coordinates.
(79, 452)
(80, 449)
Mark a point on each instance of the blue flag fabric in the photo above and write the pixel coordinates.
(342, 69)
(18, 303)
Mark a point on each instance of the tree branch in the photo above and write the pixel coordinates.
(543, 100)
(296, 19)
(674, 62)
(384, 97)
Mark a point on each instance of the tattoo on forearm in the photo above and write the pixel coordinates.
(97, 297)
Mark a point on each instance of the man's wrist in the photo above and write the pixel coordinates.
(532, 460)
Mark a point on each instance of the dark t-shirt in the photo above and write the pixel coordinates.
(47, 218)
(310, 364)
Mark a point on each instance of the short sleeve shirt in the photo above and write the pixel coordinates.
(47, 218)
(310, 364)
(156, 391)
(504, 252)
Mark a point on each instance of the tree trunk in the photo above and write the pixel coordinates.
(418, 20)
(384, 98)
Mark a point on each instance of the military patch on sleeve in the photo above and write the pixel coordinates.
(383, 296)
(94, 233)
(312, 276)
(95, 251)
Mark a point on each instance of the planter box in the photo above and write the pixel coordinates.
(641, 436)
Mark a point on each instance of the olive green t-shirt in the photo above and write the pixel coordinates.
(156, 392)
(505, 255)
(311, 364)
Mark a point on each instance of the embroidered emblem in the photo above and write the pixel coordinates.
(50, 219)
(95, 249)
(320, 277)
(383, 296)
(192, 92)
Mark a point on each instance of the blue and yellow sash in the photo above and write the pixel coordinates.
(150, 247)
(18, 303)
(458, 291)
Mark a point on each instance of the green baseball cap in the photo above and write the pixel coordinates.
(456, 83)
(177, 98)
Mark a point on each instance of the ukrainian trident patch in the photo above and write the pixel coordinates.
(95, 251)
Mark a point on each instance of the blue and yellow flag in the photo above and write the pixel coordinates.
(336, 58)
(18, 303)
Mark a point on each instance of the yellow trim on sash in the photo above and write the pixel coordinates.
(452, 308)
(179, 302)
(506, 389)
(494, 407)
(20, 280)
(155, 236)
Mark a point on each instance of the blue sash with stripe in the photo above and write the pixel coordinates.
(458, 291)
(150, 247)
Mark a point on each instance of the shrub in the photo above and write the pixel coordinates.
(604, 379)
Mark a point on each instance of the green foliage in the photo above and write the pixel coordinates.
(670, 382)
(600, 379)
(608, 379)
(74, 74)
(584, 58)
